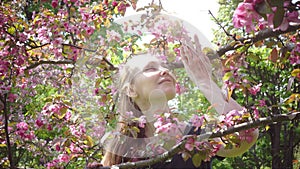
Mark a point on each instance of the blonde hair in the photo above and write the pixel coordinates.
(125, 78)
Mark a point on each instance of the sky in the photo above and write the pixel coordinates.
(192, 11)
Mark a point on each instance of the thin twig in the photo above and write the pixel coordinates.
(222, 27)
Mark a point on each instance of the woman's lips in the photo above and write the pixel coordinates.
(165, 80)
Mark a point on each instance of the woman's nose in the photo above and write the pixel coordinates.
(164, 71)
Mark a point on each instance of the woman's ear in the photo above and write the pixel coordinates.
(130, 91)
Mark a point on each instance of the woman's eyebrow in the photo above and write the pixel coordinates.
(165, 65)
(152, 63)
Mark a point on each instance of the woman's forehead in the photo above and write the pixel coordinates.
(144, 60)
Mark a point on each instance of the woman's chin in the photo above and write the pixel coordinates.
(162, 95)
(170, 95)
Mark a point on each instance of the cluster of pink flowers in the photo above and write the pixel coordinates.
(55, 163)
(234, 117)
(77, 131)
(295, 54)
(24, 132)
(198, 121)
(246, 135)
(255, 89)
(142, 121)
(57, 109)
(244, 15)
(167, 124)
(207, 148)
(248, 15)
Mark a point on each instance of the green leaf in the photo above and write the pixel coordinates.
(253, 57)
(196, 159)
(90, 142)
(263, 8)
(11, 30)
(2, 145)
(292, 98)
(276, 3)
(278, 17)
(63, 112)
(295, 72)
(227, 76)
(274, 55)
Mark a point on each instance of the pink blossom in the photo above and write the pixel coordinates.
(53, 164)
(295, 55)
(246, 135)
(142, 121)
(75, 53)
(177, 51)
(161, 129)
(90, 30)
(262, 103)
(82, 128)
(244, 15)
(30, 135)
(228, 119)
(77, 131)
(180, 89)
(255, 89)
(54, 3)
(293, 16)
(159, 122)
(22, 126)
(57, 41)
(114, 3)
(54, 108)
(68, 115)
(197, 121)
(39, 122)
(98, 130)
(121, 7)
(75, 149)
(295, 59)
(12, 97)
(189, 145)
(66, 26)
(129, 115)
(96, 91)
(255, 112)
(57, 147)
(64, 158)
(163, 57)
(49, 127)
(104, 14)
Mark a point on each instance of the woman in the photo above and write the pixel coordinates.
(146, 86)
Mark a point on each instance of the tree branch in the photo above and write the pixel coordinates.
(180, 146)
(36, 64)
(264, 34)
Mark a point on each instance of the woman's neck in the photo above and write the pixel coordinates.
(152, 109)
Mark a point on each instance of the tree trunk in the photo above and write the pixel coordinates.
(288, 147)
(275, 145)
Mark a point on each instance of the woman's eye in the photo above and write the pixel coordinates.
(149, 69)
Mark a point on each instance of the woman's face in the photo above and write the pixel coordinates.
(153, 80)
